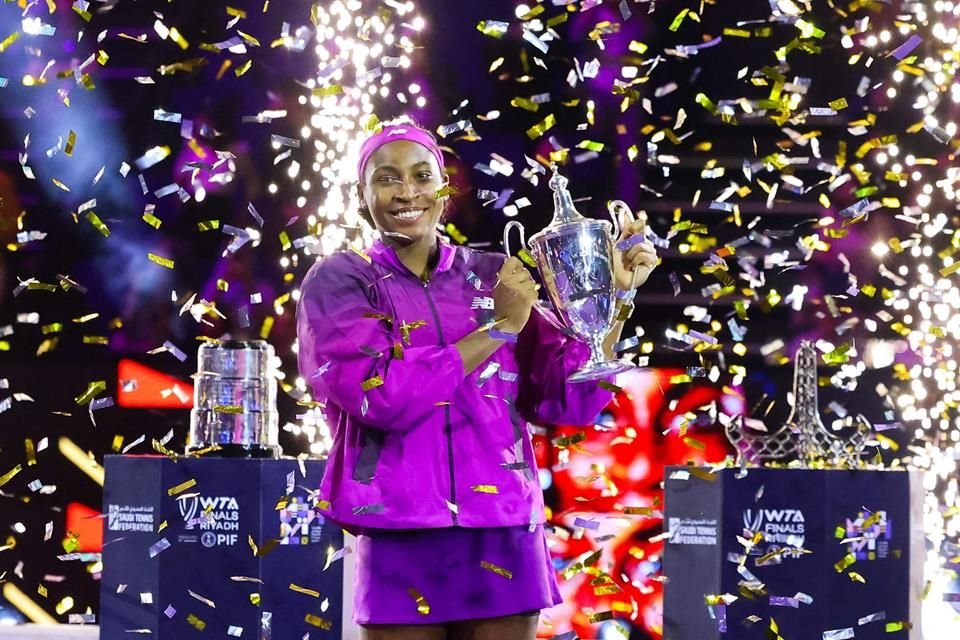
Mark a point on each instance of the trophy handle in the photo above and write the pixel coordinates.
(506, 236)
(615, 206)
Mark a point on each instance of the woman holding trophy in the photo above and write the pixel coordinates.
(431, 359)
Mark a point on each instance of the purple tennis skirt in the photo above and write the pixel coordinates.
(431, 576)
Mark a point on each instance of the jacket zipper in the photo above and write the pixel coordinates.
(448, 429)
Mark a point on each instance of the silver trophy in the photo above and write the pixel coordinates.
(575, 257)
(804, 437)
(235, 400)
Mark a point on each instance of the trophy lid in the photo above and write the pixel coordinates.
(563, 210)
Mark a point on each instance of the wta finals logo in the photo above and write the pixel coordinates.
(217, 517)
(780, 527)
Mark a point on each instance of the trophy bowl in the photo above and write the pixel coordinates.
(574, 256)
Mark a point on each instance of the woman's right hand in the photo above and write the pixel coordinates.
(514, 296)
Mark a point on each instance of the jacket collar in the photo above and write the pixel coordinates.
(384, 254)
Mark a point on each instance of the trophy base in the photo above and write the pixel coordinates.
(241, 451)
(600, 370)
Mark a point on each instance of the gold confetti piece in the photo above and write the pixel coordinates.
(249, 38)
(678, 20)
(71, 542)
(183, 486)
(736, 33)
(600, 616)
(423, 608)
(208, 225)
(446, 190)
(845, 562)
(93, 389)
(856, 577)
(240, 13)
(152, 220)
(317, 621)
(542, 127)
(267, 547)
(160, 260)
(332, 90)
(838, 104)
(30, 451)
(71, 143)
(946, 271)
(42, 590)
(54, 327)
(96, 340)
(892, 627)
(8, 476)
(234, 409)
(372, 383)
(9, 40)
(590, 145)
(500, 571)
(196, 622)
(603, 384)
(527, 259)
(304, 590)
(242, 69)
(284, 241)
(485, 488)
(525, 103)
(266, 327)
(64, 605)
(638, 47)
(255, 599)
(60, 185)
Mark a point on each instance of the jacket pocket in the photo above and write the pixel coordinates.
(368, 458)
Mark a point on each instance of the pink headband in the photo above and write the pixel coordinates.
(392, 133)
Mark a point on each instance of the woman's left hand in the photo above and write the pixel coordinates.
(640, 258)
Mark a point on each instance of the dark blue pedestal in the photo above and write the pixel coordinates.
(158, 548)
(872, 517)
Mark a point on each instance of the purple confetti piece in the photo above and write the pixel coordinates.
(873, 617)
(675, 281)
(704, 337)
(838, 634)
(784, 601)
(904, 50)
(158, 547)
(170, 611)
(502, 335)
(175, 351)
(586, 524)
(632, 241)
(503, 199)
(721, 612)
(886, 426)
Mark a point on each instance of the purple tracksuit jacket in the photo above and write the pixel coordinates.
(416, 443)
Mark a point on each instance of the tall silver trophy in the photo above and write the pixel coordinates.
(235, 400)
(575, 257)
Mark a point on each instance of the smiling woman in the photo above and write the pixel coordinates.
(430, 364)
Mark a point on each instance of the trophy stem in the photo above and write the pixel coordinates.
(598, 367)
